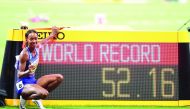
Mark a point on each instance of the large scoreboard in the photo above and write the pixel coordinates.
(119, 70)
(119, 66)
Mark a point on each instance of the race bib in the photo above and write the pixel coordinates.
(19, 85)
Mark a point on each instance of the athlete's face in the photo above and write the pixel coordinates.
(32, 40)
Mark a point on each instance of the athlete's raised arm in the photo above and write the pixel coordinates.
(55, 31)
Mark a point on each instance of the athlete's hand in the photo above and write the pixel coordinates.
(31, 69)
(55, 31)
(52, 36)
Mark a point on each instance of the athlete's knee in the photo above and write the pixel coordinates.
(44, 94)
(60, 77)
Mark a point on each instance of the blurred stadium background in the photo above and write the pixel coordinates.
(143, 15)
(131, 15)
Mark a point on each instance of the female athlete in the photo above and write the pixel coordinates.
(28, 87)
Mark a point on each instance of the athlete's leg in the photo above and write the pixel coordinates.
(34, 91)
(50, 82)
(22, 103)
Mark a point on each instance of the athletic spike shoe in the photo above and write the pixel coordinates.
(39, 104)
(22, 107)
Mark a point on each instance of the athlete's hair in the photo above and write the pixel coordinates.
(24, 27)
(30, 31)
(26, 35)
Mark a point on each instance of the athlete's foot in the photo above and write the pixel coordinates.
(22, 107)
(42, 108)
(39, 104)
